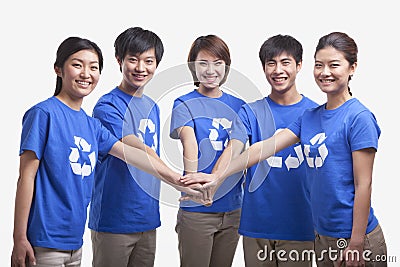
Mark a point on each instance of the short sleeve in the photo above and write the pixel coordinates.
(34, 134)
(241, 127)
(105, 140)
(295, 126)
(180, 117)
(110, 117)
(364, 131)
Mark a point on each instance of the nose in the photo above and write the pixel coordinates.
(210, 68)
(85, 73)
(278, 68)
(140, 66)
(326, 71)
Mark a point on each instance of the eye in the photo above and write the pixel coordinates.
(94, 68)
(335, 65)
(270, 63)
(286, 63)
(317, 65)
(132, 60)
(77, 65)
(218, 63)
(202, 63)
(149, 61)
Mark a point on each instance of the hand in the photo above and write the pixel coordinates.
(209, 188)
(22, 251)
(197, 177)
(352, 255)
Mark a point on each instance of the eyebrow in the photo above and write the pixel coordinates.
(207, 60)
(80, 60)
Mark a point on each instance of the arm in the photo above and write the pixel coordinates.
(141, 160)
(23, 201)
(134, 141)
(254, 154)
(190, 149)
(232, 151)
(363, 161)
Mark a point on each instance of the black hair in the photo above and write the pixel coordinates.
(341, 42)
(136, 40)
(276, 45)
(70, 46)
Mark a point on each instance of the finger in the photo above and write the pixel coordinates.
(31, 256)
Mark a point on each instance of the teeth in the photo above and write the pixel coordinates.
(327, 81)
(83, 83)
(279, 79)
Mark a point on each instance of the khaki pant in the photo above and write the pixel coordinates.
(207, 239)
(374, 242)
(123, 250)
(49, 257)
(259, 252)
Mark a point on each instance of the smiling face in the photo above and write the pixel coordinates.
(281, 73)
(80, 74)
(137, 70)
(332, 71)
(210, 70)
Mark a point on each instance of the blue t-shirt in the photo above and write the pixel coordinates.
(67, 143)
(276, 203)
(329, 138)
(125, 199)
(211, 119)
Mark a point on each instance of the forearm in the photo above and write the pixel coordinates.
(362, 200)
(231, 152)
(363, 161)
(23, 202)
(258, 152)
(190, 157)
(254, 154)
(134, 141)
(143, 161)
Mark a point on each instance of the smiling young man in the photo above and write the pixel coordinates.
(124, 211)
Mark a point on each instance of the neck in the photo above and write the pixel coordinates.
(137, 92)
(286, 98)
(74, 104)
(213, 93)
(335, 101)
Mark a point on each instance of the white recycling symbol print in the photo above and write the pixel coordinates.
(148, 124)
(291, 162)
(318, 161)
(83, 146)
(213, 136)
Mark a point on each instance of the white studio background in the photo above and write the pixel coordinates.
(32, 30)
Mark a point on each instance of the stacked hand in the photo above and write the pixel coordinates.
(204, 183)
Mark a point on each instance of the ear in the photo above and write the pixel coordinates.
(118, 60)
(353, 68)
(299, 65)
(58, 71)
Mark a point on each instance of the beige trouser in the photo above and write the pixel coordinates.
(327, 249)
(207, 239)
(260, 252)
(123, 250)
(50, 257)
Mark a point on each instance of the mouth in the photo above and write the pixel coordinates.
(211, 79)
(139, 77)
(326, 81)
(279, 79)
(83, 83)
